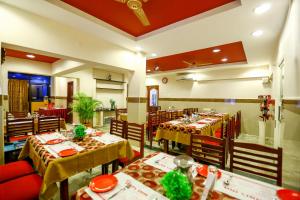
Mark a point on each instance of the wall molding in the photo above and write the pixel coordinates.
(217, 100)
(136, 99)
(291, 101)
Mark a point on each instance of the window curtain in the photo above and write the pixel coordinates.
(18, 95)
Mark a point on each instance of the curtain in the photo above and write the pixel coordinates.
(18, 95)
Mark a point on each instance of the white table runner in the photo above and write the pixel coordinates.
(55, 149)
(162, 161)
(44, 138)
(108, 138)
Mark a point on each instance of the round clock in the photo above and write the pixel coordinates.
(164, 80)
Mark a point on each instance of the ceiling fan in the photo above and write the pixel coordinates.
(137, 7)
(195, 64)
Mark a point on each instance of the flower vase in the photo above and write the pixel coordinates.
(262, 132)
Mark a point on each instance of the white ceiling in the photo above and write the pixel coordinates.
(233, 25)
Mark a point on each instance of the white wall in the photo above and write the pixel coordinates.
(289, 50)
(27, 66)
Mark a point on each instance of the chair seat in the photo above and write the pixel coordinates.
(14, 170)
(218, 134)
(125, 160)
(25, 188)
(154, 133)
(17, 138)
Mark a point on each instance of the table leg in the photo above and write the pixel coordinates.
(64, 190)
(166, 146)
(115, 165)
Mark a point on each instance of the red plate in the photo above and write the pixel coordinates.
(54, 141)
(67, 152)
(103, 183)
(285, 194)
(203, 171)
(99, 133)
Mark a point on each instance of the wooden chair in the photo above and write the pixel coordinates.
(18, 129)
(162, 116)
(174, 115)
(208, 149)
(186, 111)
(118, 128)
(19, 114)
(136, 133)
(153, 122)
(195, 110)
(238, 124)
(48, 124)
(119, 111)
(257, 159)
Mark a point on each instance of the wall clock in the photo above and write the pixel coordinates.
(164, 80)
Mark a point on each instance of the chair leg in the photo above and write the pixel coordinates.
(115, 165)
(173, 144)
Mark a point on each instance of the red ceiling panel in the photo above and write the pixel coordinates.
(159, 12)
(234, 52)
(22, 54)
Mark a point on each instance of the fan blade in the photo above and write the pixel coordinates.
(121, 1)
(142, 16)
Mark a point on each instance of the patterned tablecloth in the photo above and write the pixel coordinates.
(150, 176)
(58, 169)
(181, 132)
(223, 116)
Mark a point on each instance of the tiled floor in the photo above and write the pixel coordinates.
(291, 161)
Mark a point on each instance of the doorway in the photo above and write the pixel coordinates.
(70, 101)
(152, 97)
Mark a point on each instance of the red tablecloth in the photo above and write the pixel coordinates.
(60, 112)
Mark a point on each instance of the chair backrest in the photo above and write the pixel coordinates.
(18, 127)
(186, 111)
(9, 116)
(48, 124)
(208, 149)
(136, 132)
(257, 159)
(119, 111)
(118, 127)
(19, 114)
(238, 123)
(195, 110)
(174, 114)
(230, 128)
(162, 116)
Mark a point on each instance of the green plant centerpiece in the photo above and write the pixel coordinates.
(79, 131)
(85, 106)
(177, 183)
(112, 104)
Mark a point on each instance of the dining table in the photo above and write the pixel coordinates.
(150, 170)
(180, 130)
(93, 150)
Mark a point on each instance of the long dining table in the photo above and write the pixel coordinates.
(93, 152)
(180, 131)
(150, 170)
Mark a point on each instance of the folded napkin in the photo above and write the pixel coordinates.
(135, 190)
(162, 161)
(90, 131)
(44, 138)
(55, 149)
(108, 138)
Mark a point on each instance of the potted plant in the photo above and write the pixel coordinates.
(112, 104)
(85, 107)
(79, 132)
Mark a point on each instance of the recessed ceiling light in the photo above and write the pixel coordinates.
(148, 70)
(30, 56)
(153, 54)
(138, 48)
(224, 59)
(216, 50)
(257, 33)
(156, 68)
(262, 8)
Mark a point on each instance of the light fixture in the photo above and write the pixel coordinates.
(257, 33)
(30, 56)
(138, 48)
(262, 8)
(224, 59)
(153, 54)
(216, 50)
(148, 70)
(156, 68)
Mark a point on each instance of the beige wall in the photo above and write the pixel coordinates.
(27, 66)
